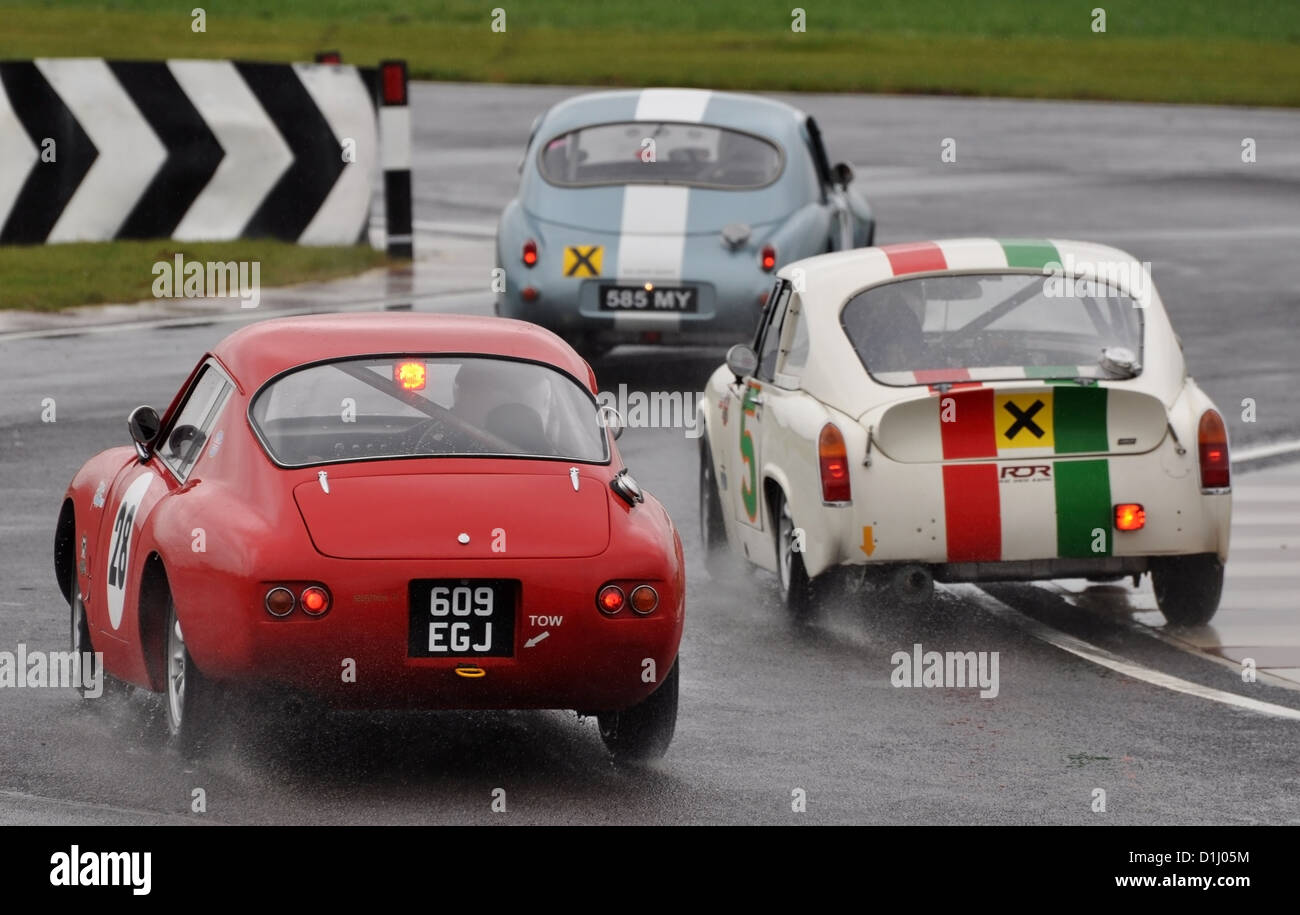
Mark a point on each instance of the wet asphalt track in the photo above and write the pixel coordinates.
(767, 706)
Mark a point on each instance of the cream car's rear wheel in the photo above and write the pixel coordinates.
(1188, 588)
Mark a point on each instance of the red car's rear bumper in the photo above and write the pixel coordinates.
(356, 655)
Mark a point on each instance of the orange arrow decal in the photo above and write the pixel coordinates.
(868, 541)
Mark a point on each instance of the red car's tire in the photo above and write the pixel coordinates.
(643, 732)
(189, 696)
(80, 643)
(78, 625)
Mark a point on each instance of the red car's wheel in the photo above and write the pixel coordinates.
(642, 733)
(79, 626)
(190, 696)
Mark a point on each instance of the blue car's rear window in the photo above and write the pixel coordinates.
(662, 152)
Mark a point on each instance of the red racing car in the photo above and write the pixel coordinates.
(381, 511)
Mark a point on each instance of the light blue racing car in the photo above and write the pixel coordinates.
(662, 215)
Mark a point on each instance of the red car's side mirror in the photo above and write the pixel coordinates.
(144, 425)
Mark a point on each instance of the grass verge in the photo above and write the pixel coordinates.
(50, 277)
(1152, 50)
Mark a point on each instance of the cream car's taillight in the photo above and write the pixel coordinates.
(833, 460)
(1212, 445)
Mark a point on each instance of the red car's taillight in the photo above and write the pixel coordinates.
(530, 253)
(1212, 443)
(282, 599)
(833, 459)
(315, 601)
(644, 599)
(610, 599)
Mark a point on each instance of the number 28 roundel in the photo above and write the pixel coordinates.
(120, 543)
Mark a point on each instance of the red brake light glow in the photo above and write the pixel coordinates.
(315, 601)
(410, 376)
(833, 459)
(1130, 516)
(768, 258)
(611, 599)
(1212, 444)
(530, 253)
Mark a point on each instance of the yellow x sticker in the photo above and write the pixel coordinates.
(1024, 420)
(582, 260)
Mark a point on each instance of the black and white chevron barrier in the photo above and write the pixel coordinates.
(93, 150)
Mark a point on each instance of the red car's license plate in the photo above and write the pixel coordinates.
(462, 618)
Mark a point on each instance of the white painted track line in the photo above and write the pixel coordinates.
(1260, 452)
(14, 798)
(1103, 658)
(1265, 675)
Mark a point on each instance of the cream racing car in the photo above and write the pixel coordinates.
(966, 410)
